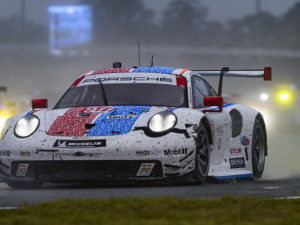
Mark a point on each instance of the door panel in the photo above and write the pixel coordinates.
(221, 135)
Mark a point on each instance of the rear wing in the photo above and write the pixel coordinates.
(266, 73)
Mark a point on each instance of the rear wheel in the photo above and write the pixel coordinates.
(258, 149)
(202, 155)
(24, 185)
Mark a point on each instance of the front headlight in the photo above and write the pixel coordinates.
(26, 126)
(162, 122)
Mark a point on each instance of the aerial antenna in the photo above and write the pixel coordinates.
(152, 61)
(139, 53)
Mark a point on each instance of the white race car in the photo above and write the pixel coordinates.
(131, 124)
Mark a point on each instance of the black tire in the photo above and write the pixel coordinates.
(202, 155)
(258, 148)
(24, 185)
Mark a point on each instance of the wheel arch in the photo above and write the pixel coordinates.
(206, 123)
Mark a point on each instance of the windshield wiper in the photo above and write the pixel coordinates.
(103, 92)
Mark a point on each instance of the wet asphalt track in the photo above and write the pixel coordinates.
(274, 189)
(281, 179)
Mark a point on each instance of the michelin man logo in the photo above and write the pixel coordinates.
(60, 144)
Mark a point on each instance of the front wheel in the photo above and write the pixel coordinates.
(258, 149)
(202, 155)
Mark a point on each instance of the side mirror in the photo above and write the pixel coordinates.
(213, 101)
(39, 103)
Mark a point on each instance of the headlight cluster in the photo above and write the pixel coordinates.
(162, 122)
(26, 126)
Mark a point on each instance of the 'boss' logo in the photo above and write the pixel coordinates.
(237, 163)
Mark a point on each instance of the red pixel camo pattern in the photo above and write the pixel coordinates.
(112, 70)
(73, 125)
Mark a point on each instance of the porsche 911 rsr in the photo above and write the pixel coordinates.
(135, 124)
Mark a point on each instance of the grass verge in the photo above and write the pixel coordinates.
(143, 211)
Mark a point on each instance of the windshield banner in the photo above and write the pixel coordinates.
(129, 78)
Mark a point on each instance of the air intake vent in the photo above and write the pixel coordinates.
(237, 122)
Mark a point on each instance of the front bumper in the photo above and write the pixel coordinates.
(122, 159)
(82, 170)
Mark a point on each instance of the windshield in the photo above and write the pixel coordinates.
(124, 94)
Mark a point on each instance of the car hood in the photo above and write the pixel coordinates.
(97, 121)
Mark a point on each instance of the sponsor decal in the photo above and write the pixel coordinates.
(79, 143)
(235, 151)
(122, 116)
(182, 151)
(145, 169)
(142, 153)
(220, 131)
(89, 81)
(24, 154)
(22, 169)
(245, 141)
(237, 163)
(4, 153)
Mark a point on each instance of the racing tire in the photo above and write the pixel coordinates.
(202, 155)
(24, 185)
(258, 148)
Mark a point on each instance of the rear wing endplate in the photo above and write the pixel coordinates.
(266, 73)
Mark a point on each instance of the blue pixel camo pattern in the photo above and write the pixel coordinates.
(157, 69)
(109, 126)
